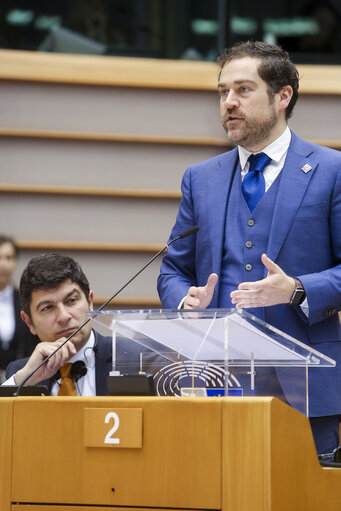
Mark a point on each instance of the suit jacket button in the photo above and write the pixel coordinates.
(248, 267)
(250, 222)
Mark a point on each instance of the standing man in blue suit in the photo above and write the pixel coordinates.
(270, 224)
(55, 297)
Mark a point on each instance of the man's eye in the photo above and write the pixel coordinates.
(244, 89)
(46, 309)
(223, 93)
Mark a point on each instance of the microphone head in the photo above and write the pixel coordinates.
(78, 370)
(189, 231)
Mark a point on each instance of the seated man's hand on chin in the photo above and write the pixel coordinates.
(41, 352)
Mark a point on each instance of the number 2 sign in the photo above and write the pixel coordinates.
(118, 427)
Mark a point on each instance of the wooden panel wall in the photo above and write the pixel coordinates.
(92, 151)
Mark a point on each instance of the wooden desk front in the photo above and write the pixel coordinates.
(224, 454)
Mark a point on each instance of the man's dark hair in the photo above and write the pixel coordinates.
(48, 271)
(7, 239)
(275, 68)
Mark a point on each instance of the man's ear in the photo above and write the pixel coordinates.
(285, 96)
(91, 301)
(25, 317)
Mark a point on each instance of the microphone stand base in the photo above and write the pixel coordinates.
(130, 384)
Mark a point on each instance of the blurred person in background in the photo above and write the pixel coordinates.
(16, 341)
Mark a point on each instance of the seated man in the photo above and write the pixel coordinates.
(55, 297)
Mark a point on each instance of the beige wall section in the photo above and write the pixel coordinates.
(93, 109)
(109, 109)
(107, 124)
(107, 272)
(78, 163)
(97, 219)
(318, 117)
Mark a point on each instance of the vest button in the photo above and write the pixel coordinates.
(250, 222)
(248, 244)
(248, 267)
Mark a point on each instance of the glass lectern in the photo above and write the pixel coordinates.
(211, 352)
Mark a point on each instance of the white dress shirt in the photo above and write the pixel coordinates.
(277, 151)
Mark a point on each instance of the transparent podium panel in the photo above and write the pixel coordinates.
(211, 352)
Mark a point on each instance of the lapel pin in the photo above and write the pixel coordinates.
(306, 168)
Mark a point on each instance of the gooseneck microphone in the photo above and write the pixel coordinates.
(182, 235)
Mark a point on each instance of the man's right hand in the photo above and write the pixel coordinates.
(201, 297)
(40, 353)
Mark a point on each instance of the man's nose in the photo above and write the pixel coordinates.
(63, 314)
(231, 100)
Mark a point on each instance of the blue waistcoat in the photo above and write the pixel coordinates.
(245, 240)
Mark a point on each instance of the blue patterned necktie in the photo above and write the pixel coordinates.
(253, 186)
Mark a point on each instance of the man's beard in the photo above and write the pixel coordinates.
(254, 131)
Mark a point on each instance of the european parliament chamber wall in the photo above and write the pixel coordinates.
(92, 151)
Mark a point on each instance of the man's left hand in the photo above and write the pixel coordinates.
(276, 288)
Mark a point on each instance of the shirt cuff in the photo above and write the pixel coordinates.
(10, 381)
(181, 304)
(305, 307)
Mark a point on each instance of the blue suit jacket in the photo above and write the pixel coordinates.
(304, 240)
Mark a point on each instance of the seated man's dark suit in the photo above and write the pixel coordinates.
(103, 357)
(127, 353)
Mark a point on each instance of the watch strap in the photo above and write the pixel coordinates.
(298, 295)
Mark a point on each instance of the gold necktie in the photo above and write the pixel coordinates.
(67, 386)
